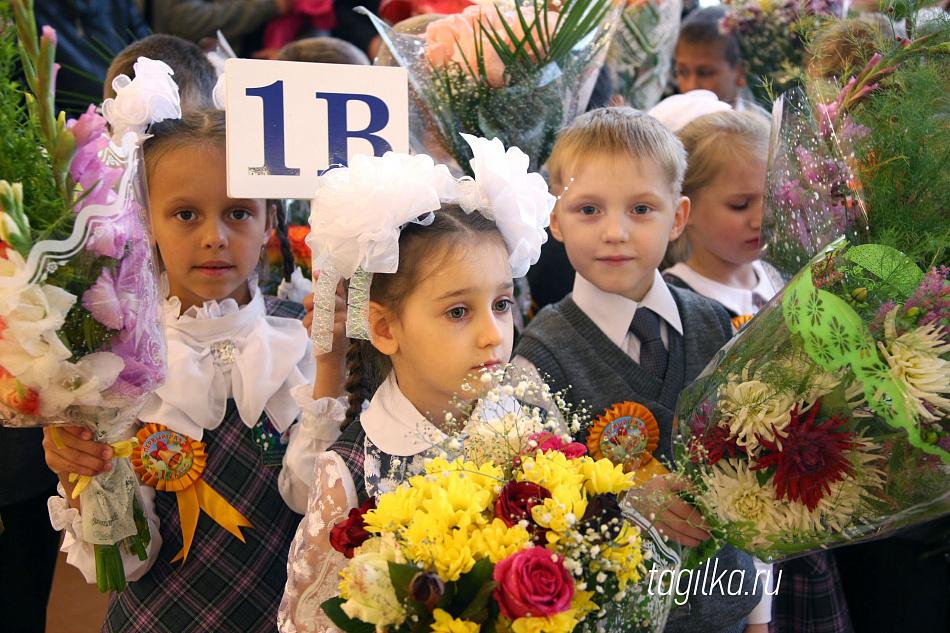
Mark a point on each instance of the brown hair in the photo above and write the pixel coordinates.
(703, 27)
(323, 50)
(206, 128)
(451, 230)
(617, 132)
(714, 140)
(194, 74)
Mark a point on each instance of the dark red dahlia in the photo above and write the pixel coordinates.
(811, 457)
(710, 444)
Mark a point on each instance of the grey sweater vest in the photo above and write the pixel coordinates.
(572, 353)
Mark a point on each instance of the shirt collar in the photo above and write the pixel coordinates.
(613, 313)
(736, 300)
(394, 424)
(396, 427)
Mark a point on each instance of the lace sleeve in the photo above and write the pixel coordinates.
(313, 566)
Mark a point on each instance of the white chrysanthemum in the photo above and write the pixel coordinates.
(734, 494)
(914, 359)
(752, 408)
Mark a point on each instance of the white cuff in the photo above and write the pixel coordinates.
(762, 613)
(318, 428)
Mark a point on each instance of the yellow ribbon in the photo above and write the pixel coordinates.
(184, 479)
(120, 450)
(201, 496)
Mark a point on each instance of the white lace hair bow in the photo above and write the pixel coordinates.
(358, 213)
(150, 97)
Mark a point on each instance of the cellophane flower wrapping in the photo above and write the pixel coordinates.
(825, 420)
(511, 70)
(510, 527)
(81, 334)
(640, 56)
(772, 37)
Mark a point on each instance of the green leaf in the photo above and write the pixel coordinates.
(336, 614)
(401, 576)
(469, 584)
(473, 592)
(477, 610)
(892, 266)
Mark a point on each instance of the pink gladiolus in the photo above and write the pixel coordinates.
(87, 169)
(49, 34)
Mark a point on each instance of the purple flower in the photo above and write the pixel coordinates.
(103, 302)
(110, 235)
(87, 169)
(144, 358)
(789, 194)
(113, 300)
(140, 343)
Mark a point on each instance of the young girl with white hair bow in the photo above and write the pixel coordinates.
(430, 261)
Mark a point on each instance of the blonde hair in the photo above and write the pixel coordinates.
(845, 46)
(617, 132)
(713, 141)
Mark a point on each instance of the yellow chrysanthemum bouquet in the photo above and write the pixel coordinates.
(532, 536)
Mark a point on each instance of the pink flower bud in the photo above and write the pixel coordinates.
(49, 33)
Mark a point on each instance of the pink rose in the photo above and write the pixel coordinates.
(547, 441)
(452, 40)
(532, 583)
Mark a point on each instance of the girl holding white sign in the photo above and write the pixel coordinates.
(441, 254)
(225, 464)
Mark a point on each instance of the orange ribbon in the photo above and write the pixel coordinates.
(173, 462)
(627, 434)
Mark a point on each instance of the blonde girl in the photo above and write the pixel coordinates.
(718, 254)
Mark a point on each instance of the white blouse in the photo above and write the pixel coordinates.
(215, 352)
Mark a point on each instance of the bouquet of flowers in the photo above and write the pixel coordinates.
(641, 53)
(825, 420)
(771, 37)
(81, 339)
(516, 70)
(523, 533)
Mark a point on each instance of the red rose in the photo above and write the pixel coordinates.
(515, 502)
(532, 583)
(347, 535)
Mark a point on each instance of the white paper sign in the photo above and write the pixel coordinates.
(287, 122)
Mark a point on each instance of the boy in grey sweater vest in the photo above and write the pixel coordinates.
(624, 334)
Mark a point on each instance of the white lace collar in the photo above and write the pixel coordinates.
(220, 351)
